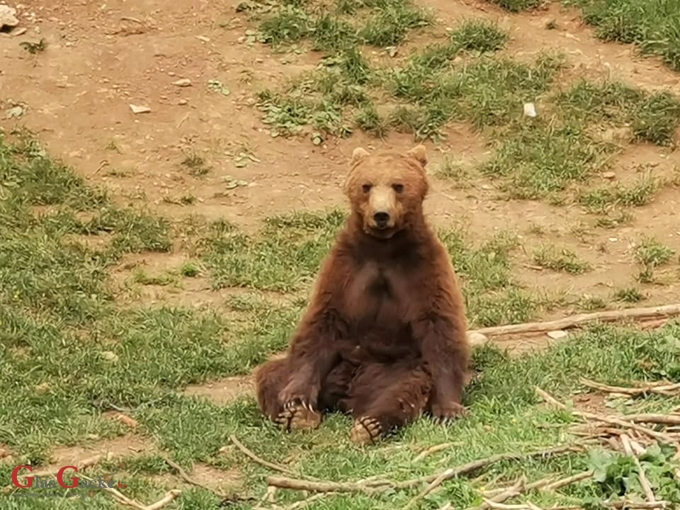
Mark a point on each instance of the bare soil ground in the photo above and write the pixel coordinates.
(102, 57)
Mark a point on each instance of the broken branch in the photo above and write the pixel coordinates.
(605, 419)
(370, 487)
(258, 459)
(576, 320)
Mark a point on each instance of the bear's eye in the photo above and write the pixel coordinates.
(366, 188)
(398, 187)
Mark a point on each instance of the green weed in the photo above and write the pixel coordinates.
(562, 259)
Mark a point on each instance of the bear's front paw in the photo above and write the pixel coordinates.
(297, 417)
(448, 411)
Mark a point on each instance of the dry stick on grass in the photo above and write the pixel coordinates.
(183, 474)
(434, 449)
(606, 419)
(169, 497)
(548, 484)
(372, 487)
(644, 483)
(576, 320)
(665, 388)
(508, 493)
(257, 459)
(432, 486)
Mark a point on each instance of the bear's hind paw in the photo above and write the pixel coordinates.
(365, 430)
(296, 416)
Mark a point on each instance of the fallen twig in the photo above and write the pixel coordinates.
(644, 483)
(576, 320)
(432, 486)
(370, 487)
(663, 388)
(606, 419)
(508, 493)
(169, 497)
(258, 459)
(434, 449)
(548, 483)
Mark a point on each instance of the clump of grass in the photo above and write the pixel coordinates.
(454, 171)
(592, 303)
(368, 119)
(603, 199)
(190, 269)
(560, 259)
(652, 25)
(479, 35)
(140, 276)
(517, 5)
(651, 253)
(541, 159)
(391, 23)
(656, 119)
(290, 24)
(629, 295)
(653, 117)
(196, 164)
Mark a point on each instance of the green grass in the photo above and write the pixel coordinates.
(560, 259)
(650, 253)
(517, 5)
(331, 28)
(654, 26)
(70, 350)
(652, 118)
(604, 198)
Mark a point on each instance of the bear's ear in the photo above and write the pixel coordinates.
(419, 152)
(358, 154)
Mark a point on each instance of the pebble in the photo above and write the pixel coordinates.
(184, 82)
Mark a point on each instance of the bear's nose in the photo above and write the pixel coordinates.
(381, 218)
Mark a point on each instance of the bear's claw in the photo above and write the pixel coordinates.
(297, 416)
(365, 430)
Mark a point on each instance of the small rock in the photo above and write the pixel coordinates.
(8, 17)
(556, 335)
(139, 109)
(609, 175)
(529, 110)
(110, 356)
(182, 102)
(476, 338)
(203, 38)
(20, 31)
(15, 112)
(184, 82)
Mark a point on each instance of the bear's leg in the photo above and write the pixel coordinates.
(270, 378)
(385, 397)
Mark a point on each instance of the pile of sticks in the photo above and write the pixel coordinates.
(630, 434)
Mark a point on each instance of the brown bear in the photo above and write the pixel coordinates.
(384, 335)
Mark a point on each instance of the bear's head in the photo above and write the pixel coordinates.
(386, 190)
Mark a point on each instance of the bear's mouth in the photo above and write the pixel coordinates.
(382, 232)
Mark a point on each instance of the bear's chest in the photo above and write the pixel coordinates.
(381, 298)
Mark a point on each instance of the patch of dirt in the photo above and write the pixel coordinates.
(223, 391)
(101, 58)
(117, 447)
(591, 402)
(213, 478)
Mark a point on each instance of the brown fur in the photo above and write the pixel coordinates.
(384, 336)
